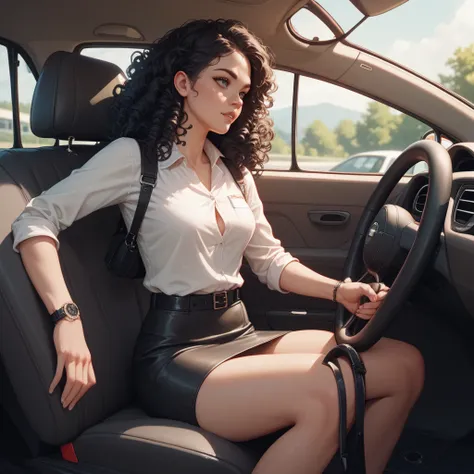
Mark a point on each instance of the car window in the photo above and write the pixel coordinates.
(334, 124)
(373, 164)
(348, 166)
(360, 164)
(390, 162)
(120, 56)
(26, 86)
(6, 114)
(420, 167)
(280, 155)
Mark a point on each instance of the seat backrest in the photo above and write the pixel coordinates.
(71, 100)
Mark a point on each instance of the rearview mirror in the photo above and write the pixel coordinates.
(376, 7)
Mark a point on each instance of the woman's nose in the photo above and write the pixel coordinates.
(238, 101)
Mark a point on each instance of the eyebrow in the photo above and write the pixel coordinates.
(232, 74)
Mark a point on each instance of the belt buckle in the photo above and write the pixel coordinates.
(220, 300)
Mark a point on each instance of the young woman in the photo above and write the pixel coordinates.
(198, 98)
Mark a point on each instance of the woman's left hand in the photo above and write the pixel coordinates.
(350, 293)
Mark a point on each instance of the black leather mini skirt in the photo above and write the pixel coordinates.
(181, 342)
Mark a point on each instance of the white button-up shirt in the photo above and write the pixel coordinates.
(180, 243)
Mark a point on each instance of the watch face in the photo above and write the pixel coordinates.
(72, 310)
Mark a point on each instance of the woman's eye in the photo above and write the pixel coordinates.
(223, 81)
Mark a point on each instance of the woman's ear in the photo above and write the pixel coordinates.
(182, 83)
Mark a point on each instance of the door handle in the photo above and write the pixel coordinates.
(329, 217)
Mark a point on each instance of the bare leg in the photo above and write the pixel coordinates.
(386, 414)
(248, 397)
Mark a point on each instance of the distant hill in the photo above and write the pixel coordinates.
(330, 114)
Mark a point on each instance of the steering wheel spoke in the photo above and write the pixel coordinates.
(409, 235)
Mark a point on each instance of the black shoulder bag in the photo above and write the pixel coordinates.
(123, 257)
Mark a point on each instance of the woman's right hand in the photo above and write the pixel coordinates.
(75, 357)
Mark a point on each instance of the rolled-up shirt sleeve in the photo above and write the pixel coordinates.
(103, 181)
(264, 253)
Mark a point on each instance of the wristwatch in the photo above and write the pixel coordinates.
(68, 311)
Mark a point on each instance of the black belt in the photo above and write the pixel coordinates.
(218, 300)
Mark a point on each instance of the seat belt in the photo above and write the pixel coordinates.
(352, 457)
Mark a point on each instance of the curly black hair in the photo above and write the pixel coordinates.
(149, 108)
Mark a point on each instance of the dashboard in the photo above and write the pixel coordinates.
(462, 156)
(455, 253)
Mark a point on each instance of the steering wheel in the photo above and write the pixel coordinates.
(386, 232)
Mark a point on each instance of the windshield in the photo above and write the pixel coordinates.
(434, 38)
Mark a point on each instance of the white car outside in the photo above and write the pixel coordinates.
(378, 161)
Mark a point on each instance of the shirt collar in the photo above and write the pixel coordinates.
(210, 149)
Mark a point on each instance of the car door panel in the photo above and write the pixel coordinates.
(290, 200)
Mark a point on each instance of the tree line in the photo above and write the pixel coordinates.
(378, 129)
(23, 107)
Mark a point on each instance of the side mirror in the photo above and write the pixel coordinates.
(376, 7)
(437, 137)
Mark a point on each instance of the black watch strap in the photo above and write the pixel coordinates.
(58, 315)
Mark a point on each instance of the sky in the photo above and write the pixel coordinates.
(421, 34)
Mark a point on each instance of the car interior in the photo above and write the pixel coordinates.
(321, 217)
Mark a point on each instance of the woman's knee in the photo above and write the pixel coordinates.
(320, 396)
(415, 367)
(410, 365)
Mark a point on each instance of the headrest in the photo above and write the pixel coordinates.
(72, 97)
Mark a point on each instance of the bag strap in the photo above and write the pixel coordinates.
(341, 394)
(352, 458)
(149, 173)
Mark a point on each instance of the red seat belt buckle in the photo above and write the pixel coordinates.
(68, 453)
